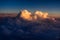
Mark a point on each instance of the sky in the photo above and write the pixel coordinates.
(14, 6)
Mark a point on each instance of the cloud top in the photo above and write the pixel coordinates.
(25, 14)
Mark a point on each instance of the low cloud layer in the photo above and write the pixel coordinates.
(19, 28)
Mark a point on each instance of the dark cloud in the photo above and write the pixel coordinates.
(20, 29)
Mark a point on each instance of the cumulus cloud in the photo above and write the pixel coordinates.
(25, 14)
(41, 14)
(45, 15)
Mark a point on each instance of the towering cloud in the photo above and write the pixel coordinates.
(25, 14)
(41, 14)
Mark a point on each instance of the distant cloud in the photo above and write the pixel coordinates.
(25, 14)
(41, 14)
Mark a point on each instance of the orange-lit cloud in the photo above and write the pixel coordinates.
(41, 14)
(45, 15)
(29, 16)
(26, 15)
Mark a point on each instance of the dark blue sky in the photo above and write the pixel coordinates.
(51, 6)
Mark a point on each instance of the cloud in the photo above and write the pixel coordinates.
(41, 14)
(25, 14)
(20, 29)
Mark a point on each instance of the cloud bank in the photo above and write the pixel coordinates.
(22, 27)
